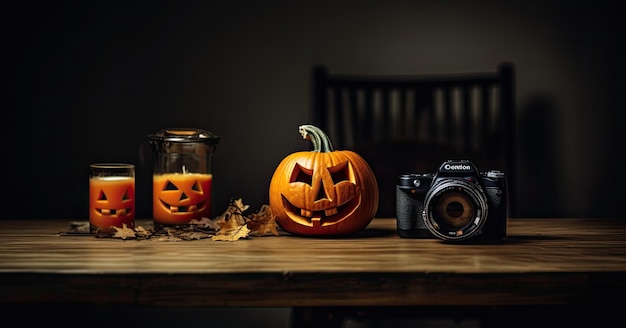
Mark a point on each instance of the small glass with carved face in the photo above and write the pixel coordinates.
(111, 197)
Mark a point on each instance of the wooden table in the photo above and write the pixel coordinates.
(560, 261)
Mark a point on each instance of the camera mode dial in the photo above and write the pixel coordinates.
(495, 174)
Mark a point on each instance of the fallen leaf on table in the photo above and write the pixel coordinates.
(228, 223)
(142, 232)
(190, 235)
(165, 238)
(232, 217)
(180, 233)
(240, 206)
(263, 222)
(202, 223)
(231, 225)
(232, 235)
(124, 232)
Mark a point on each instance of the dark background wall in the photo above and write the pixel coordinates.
(87, 81)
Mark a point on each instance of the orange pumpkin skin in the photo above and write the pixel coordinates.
(324, 191)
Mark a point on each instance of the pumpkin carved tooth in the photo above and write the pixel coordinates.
(323, 191)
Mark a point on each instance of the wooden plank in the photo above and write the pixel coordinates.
(543, 261)
(533, 245)
(315, 289)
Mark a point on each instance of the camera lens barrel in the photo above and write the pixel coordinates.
(455, 209)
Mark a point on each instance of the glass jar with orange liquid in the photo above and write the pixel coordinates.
(182, 176)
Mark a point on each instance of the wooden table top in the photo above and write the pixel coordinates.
(542, 261)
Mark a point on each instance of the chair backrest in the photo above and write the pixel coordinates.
(413, 123)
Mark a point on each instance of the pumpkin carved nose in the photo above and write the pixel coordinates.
(321, 194)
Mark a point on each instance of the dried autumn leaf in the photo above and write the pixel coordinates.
(190, 235)
(263, 222)
(231, 219)
(124, 232)
(240, 206)
(202, 222)
(79, 227)
(142, 232)
(229, 224)
(242, 232)
(165, 238)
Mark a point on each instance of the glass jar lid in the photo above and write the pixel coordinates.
(184, 135)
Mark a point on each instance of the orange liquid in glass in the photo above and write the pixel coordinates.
(178, 198)
(111, 202)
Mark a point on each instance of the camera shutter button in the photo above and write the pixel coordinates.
(417, 182)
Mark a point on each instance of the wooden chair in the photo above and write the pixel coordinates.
(412, 123)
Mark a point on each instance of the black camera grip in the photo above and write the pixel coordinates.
(410, 222)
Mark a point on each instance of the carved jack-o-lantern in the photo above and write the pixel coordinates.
(324, 191)
(179, 198)
(112, 202)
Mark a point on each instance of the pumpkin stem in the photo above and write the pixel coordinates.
(320, 140)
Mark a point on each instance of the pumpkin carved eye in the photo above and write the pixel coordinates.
(170, 186)
(301, 174)
(340, 173)
(103, 195)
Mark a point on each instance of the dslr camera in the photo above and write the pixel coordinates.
(457, 203)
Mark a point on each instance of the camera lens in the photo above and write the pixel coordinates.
(455, 209)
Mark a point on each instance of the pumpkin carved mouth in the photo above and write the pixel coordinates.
(184, 209)
(320, 218)
(114, 212)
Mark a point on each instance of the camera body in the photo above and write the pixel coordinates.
(457, 203)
